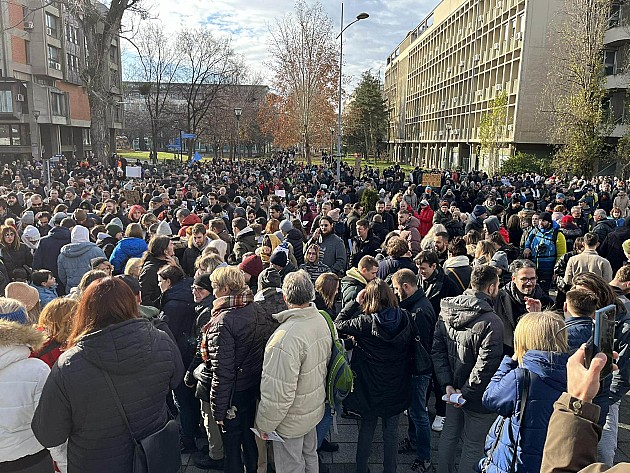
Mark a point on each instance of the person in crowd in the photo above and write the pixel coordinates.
(30, 238)
(107, 241)
(102, 264)
(251, 266)
(22, 379)
(559, 271)
(413, 300)
(295, 238)
(326, 291)
(160, 252)
(388, 219)
(110, 345)
(538, 365)
(588, 261)
(520, 296)
(46, 284)
(408, 226)
(13, 253)
(398, 257)
(602, 225)
(545, 245)
(612, 247)
(435, 283)
(312, 265)
(364, 243)
(570, 231)
(572, 435)
(131, 246)
(294, 369)
(56, 323)
(383, 337)
(45, 256)
(515, 229)
(476, 218)
(197, 242)
(467, 350)
(457, 265)
(177, 310)
(332, 249)
(484, 253)
(357, 278)
(279, 260)
(133, 267)
(244, 239)
(425, 217)
(232, 348)
(74, 258)
(269, 295)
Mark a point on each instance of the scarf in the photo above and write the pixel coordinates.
(233, 301)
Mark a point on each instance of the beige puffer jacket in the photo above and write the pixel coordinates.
(294, 373)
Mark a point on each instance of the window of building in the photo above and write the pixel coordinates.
(51, 25)
(113, 54)
(54, 57)
(72, 34)
(14, 135)
(73, 62)
(87, 140)
(27, 51)
(615, 15)
(58, 102)
(6, 101)
(609, 62)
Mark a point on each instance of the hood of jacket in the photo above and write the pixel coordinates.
(608, 223)
(190, 220)
(122, 348)
(59, 233)
(179, 292)
(354, 273)
(456, 262)
(390, 325)
(75, 250)
(133, 244)
(246, 233)
(15, 340)
(550, 367)
(460, 311)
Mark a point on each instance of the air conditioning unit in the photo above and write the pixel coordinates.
(510, 127)
(49, 31)
(455, 132)
(28, 25)
(498, 87)
(479, 93)
(57, 66)
(443, 104)
(462, 64)
(518, 36)
(497, 46)
(19, 97)
(480, 18)
(476, 57)
(448, 70)
(499, 4)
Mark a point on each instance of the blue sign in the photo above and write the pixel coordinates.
(189, 136)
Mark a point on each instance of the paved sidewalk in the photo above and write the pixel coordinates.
(343, 461)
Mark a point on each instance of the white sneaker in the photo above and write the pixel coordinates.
(438, 424)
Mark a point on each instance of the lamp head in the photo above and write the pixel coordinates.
(238, 111)
(362, 16)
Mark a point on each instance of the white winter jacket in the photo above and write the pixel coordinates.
(21, 382)
(294, 373)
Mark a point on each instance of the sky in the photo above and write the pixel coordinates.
(366, 44)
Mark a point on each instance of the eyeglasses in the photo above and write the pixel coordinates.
(529, 280)
(196, 288)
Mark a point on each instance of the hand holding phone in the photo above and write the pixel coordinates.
(604, 338)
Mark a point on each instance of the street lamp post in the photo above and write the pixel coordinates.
(238, 112)
(447, 157)
(360, 16)
(332, 136)
(46, 163)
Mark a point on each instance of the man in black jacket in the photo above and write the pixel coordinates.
(520, 296)
(467, 350)
(413, 300)
(365, 243)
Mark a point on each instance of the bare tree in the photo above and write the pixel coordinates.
(156, 68)
(305, 65)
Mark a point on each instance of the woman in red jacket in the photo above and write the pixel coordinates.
(56, 321)
(425, 217)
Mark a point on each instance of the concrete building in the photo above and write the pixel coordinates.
(44, 109)
(444, 75)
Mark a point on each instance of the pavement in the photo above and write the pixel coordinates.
(343, 461)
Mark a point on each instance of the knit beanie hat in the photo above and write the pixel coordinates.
(239, 211)
(113, 230)
(492, 224)
(567, 219)
(252, 265)
(79, 234)
(18, 316)
(27, 295)
(546, 216)
(31, 237)
(117, 221)
(286, 226)
(28, 218)
(58, 217)
(279, 258)
(479, 210)
(164, 229)
(270, 277)
(203, 280)
(216, 209)
(500, 260)
(94, 262)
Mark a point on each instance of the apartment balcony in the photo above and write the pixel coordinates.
(618, 81)
(617, 35)
(619, 130)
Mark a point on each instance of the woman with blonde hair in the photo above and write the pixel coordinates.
(484, 252)
(536, 376)
(56, 322)
(428, 242)
(133, 267)
(207, 263)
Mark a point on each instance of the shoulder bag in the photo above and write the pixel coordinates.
(420, 359)
(157, 452)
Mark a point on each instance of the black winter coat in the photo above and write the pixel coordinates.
(611, 247)
(381, 360)
(178, 311)
(296, 239)
(423, 315)
(149, 281)
(468, 346)
(361, 248)
(107, 245)
(46, 254)
(76, 402)
(236, 340)
(14, 259)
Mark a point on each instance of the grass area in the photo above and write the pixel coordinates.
(144, 155)
(380, 164)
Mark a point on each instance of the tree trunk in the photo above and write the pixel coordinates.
(99, 130)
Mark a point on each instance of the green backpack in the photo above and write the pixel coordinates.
(339, 378)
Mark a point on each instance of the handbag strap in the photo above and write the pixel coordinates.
(453, 272)
(524, 394)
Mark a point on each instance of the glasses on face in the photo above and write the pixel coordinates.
(311, 253)
(528, 280)
(196, 288)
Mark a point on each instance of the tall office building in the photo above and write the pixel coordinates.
(44, 109)
(444, 75)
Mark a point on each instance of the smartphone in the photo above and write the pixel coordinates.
(604, 336)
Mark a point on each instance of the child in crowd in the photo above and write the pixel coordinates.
(46, 284)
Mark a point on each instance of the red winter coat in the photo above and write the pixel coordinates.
(426, 220)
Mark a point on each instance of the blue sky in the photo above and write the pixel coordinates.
(366, 43)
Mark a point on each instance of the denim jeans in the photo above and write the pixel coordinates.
(324, 425)
(419, 427)
(189, 411)
(367, 426)
(607, 446)
(469, 428)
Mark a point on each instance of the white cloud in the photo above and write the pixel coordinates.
(366, 44)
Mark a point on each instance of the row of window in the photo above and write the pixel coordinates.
(57, 102)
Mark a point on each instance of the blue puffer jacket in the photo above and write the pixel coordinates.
(548, 377)
(74, 261)
(125, 249)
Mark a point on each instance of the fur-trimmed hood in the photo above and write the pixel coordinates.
(13, 333)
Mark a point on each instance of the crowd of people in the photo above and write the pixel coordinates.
(216, 293)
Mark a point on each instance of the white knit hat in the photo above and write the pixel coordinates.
(79, 234)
